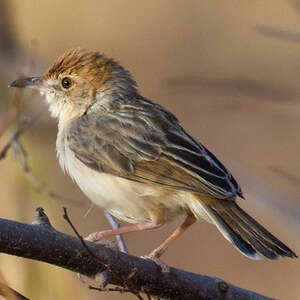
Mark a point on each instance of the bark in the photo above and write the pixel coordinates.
(40, 241)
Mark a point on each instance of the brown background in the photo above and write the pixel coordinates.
(228, 69)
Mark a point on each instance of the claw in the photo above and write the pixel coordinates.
(162, 265)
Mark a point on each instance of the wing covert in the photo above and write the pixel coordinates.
(149, 148)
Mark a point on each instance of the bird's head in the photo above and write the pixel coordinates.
(78, 79)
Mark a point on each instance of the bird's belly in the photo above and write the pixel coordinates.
(127, 200)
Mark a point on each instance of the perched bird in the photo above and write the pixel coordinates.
(132, 157)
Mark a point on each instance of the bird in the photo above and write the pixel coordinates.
(133, 158)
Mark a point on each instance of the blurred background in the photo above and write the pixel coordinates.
(228, 69)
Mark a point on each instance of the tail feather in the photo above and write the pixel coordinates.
(233, 237)
(246, 234)
(264, 241)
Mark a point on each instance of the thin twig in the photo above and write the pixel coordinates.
(24, 126)
(115, 225)
(43, 189)
(13, 112)
(293, 179)
(66, 217)
(10, 143)
(22, 157)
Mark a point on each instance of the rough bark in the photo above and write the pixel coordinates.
(40, 241)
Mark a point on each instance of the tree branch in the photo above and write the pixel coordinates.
(40, 241)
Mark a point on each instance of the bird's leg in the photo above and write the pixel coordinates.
(159, 251)
(96, 236)
(119, 238)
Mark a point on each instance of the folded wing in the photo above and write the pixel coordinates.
(145, 143)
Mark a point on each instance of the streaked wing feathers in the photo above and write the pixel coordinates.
(148, 147)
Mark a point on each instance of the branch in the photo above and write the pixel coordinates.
(40, 241)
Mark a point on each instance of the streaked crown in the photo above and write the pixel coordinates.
(90, 65)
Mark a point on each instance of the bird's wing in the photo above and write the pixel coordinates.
(147, 145)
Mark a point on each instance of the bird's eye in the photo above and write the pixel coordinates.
(66, 83)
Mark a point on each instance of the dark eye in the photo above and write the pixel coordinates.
(66, 82)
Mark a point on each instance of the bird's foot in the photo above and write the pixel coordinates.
(106, 243)
(94, 237)
(162, 265)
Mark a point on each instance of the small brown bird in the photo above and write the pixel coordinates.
(133, 158)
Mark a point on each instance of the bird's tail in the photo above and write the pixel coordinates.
(247, 235)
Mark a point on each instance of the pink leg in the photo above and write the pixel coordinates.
(96, 236)
(159, 251)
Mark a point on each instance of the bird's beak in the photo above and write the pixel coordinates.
(31, 82)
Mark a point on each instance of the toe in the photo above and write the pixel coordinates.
(162, 265)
